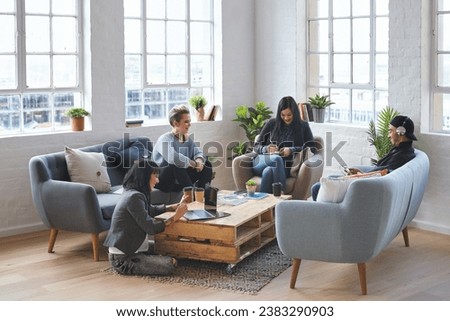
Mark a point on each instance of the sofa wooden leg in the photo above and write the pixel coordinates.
(52, 240)
(362, 277)
(295, 268)
(405, 236)
(95, 246)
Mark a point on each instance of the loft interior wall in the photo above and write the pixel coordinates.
(258, 64)
(105, 93)
(280, 70)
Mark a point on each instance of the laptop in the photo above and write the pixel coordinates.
(210, 211)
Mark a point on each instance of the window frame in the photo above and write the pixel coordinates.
(331, 86)
(22, 91)
(167, 88)
(437, 117)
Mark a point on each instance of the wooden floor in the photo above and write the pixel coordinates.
(28, 272)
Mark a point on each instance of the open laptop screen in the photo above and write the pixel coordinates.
(210, 211)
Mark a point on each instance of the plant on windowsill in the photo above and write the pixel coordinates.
(77, 115)
(318, 104)
(250, 185)
(199, 103)
(379, 133)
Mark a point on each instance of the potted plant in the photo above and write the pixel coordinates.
(252, 120)
(250, 185)
(379, 133)
(239, 149)
(318, 104)
(77, 115)
(199, 102)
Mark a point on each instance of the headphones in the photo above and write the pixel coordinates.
(401, 130)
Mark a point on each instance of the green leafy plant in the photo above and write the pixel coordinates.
(252, 119)
(76, 112)
(239, 149)
(320, 101)
(198, 101)
(250, 182)
(379, 132)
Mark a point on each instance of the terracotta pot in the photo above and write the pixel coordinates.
(77, 124)
(200, 114)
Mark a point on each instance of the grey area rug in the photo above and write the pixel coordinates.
(248, 276)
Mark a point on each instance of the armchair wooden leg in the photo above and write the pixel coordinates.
(295, 268)
(52, 240)
(362, 277)
(95, 246)
(405, 236)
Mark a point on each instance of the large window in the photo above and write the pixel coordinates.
(168, 55)
(441, 67)
(348, 56)
(40, 64)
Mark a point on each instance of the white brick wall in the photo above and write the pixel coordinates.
(17, 213)
(254, 67)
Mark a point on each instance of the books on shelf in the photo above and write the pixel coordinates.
(134, 122)
(305, 110)
(211, 113)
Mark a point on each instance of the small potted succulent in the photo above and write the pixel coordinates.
(318, 104)
(77, 115)
(250, 185)
(199, 103)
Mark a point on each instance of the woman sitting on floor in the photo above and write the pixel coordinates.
(132, 222)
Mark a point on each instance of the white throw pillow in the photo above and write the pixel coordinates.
(88, 168)
(333, 189)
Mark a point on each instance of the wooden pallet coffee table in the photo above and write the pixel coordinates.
(230, 239)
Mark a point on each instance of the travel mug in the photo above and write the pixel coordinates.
(189, 192)
(199, 193)
(276, 189)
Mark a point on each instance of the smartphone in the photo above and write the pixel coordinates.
(346, 170)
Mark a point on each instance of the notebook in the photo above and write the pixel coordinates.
(257, 196)
(210, 211)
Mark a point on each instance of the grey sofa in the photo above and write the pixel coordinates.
(298, 187)
(373, 212)
(71, 206)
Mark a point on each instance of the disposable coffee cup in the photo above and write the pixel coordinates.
(199, 194)
(188, 191)
(276, 189)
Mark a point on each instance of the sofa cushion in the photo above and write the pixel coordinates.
(333, 188)
(137, 150)
(88, 168)
(107, 202)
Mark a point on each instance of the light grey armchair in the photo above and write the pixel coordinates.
(373, 212)
(298, 187)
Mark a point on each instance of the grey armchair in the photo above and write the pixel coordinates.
(71, 206)
(298, 187)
